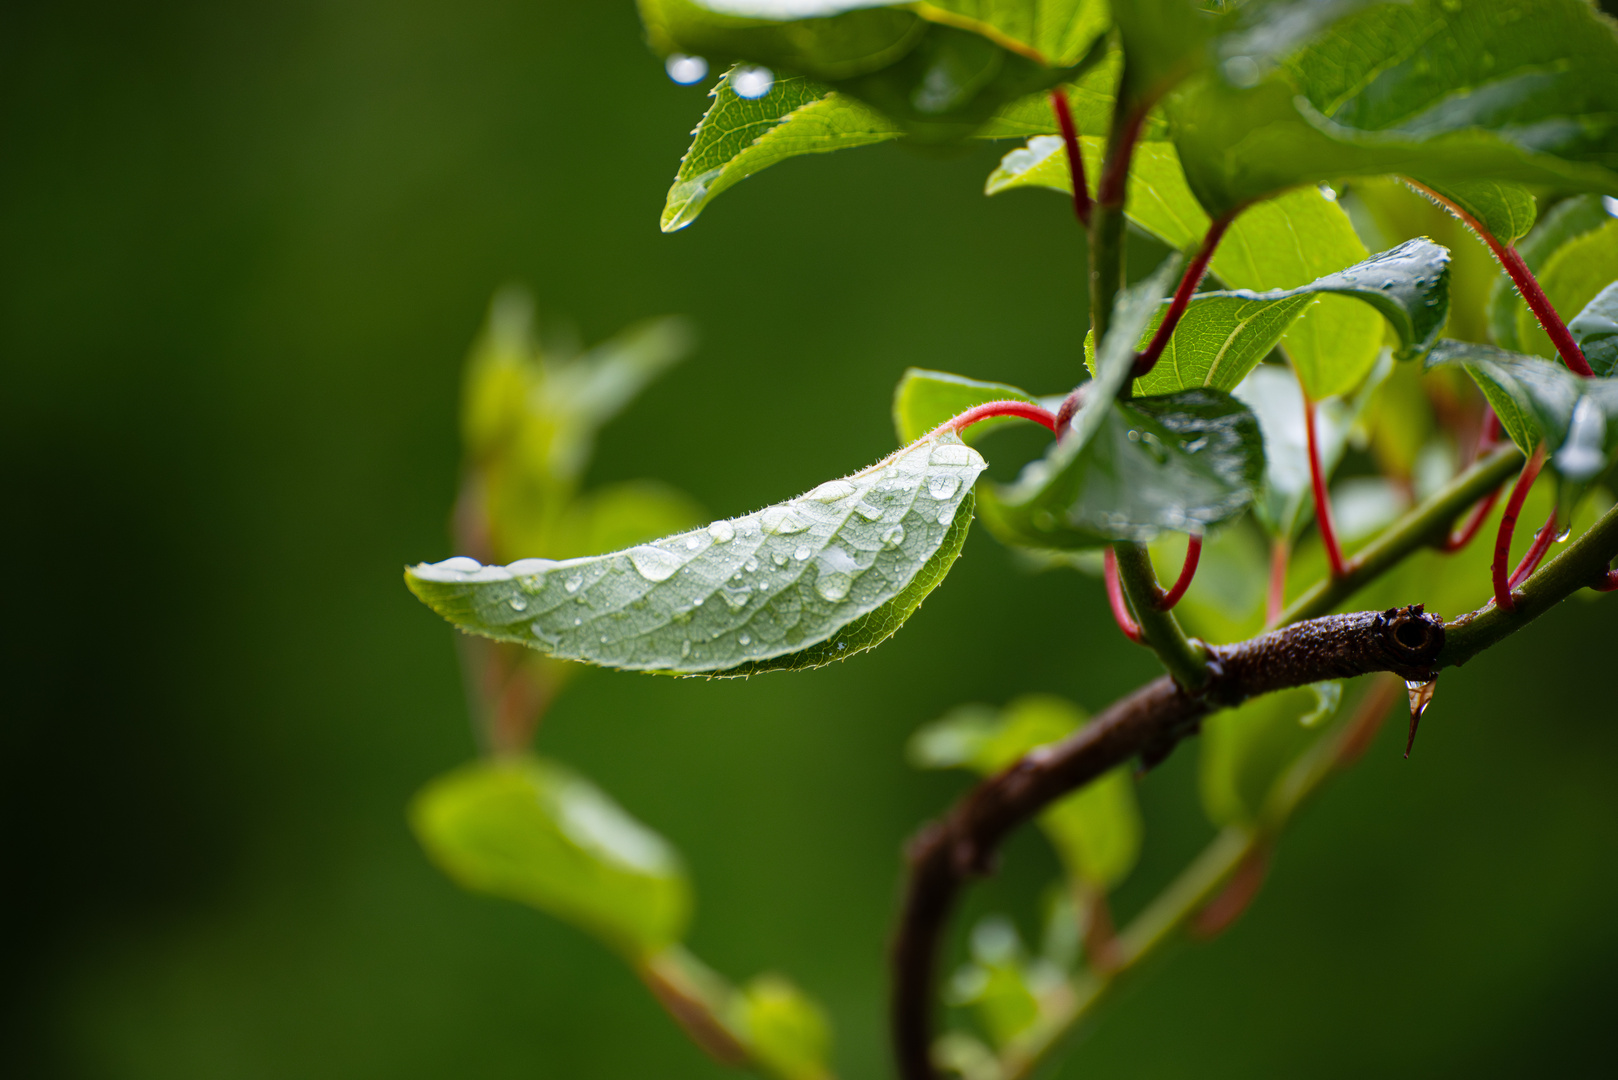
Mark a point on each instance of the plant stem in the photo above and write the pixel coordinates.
(1508, 525)
(1536, 551)
(1275, 599)
(1423, 525)
(1115, 597)
(1194, 273)
(991, 409)
(1075, 157)
(1185, 658)
(1461, 537)
(1317, 480)
(1193, 555)
(1527, 285)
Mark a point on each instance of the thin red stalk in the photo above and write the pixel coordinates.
(1027, 410)
(1115, 176)
(1115, 597)
(1280, 552)
(1536, 552)
(1461, 537)
(1508, 525)
(1193, 552)
(1194, 273)
(1527, 285)
(1075, 158)
(1608, 583)
(1317, 478)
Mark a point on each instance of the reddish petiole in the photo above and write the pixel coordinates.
(1508, 524)
(1317, 478)
(1075, 158)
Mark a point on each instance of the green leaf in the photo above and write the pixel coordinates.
(924, 399)
(997, 984)
(1163, 40)
(1507, 210)
(1244, 750)
(796, 585)
(1273, 393)
(1223, 335)
(1377, 93)
(1057, 33)
(1181, 462)
(533, 831)
(1567, 220)
(821, 40)
(1540, 400)
(1571, 278)
(785, 1031)
(738, 137)
(1282, 243)
(1596, 331)
(1096, 831)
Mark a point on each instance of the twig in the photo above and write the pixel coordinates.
(1185, 657)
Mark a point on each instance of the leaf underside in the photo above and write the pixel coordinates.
(796, 585)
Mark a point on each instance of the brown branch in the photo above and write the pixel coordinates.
(1146, 724)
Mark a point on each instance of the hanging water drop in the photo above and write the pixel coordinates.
(653, 563)
(723, 532)
(1421, 695)
(685, 70)
(751, 82)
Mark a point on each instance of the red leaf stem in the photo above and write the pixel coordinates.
(1193, 552)
(1075, 158)
(1317, 478)
(1194, 273)
(1461, 537)
(1536, 552)
(1027, 410)
(1508, 524)
(1280, 552)
(1608, 583)
(1115, 597)
(1526, 283)
(1115, 175)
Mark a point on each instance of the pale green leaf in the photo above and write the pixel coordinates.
(534, 831)
(1571, 278)
(1567, 220)
(821, 40)
(798, 584)
(1282, 243)
(1057, 33)
(1244, 750)
(786, 1032)
(739, 137)
(1596, 331)
(1507, 210)
(999, 984)
(924, 399)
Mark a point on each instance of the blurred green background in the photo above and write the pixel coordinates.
(243, 251)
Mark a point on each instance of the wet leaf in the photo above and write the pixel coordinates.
(533, 831)
(1567, 220)
(1058, 32)
(1096, 831)
(924, 399)
(1244, 750)
(821, 40)
(798, 584)
(1596, 331)
(1375, 93)
(738, 137)
(1283, 243)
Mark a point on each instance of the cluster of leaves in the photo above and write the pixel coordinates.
(1283, 122)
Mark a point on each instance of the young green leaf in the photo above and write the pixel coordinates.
(534, 831)
(999, 984)
(1096, 831)
(1540, 400)
(1567, 220)
(1244, 750)
(1182, 462)
(1507, 210)
(785, 1031)
(1223, 335)
(1571, 278)
(924, 399)
(796, 585)
(1376, 93)
(1595, 329)
(1282, 243)
(740, 136)
(1056, 33)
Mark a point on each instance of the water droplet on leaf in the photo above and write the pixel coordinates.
(779, 558)
(833, 586)
(782, 521)
(893, 537)
(942, 487)
(802, 553)
(831, 491)
(685, 70)
(518, 603)
(653, 563)
(745, 640)
(723, 532)
(751, 82)
(572, 584)
(953, 454)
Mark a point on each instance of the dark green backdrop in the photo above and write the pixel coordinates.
(243, 249)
